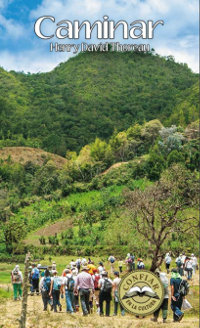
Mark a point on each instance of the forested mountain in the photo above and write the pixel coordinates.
(127, 125)
(92, 95)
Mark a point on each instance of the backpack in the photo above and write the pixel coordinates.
(112, 260)
(179, 263)
(96, 281)
(36, 274)
(47, 283)
(107, 287)
(130, 260)
(17, 276)
(184, 288)
(70, 283)
(57, 282)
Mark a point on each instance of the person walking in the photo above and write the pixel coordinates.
(116, 282)
(127, 262)
(35, 276)
(183, 259)
(91, 268)
(45, 286)
(56, 284)
(179, 264)
(78, 264)
(168, 260)
(101, 268)
(188, 267)
(68, 287)
(76, 296)
(120, 264)
(176, 297)
(194, 264)
(111, 260)
(133, 262)
(17, 280)
(105, 285)
(164, 305)
(84, 282)
(96, 277)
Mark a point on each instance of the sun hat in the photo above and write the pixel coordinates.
(84, 268)
(104, 273)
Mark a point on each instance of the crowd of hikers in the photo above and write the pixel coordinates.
(82, 282)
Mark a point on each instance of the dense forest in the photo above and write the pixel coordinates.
(94, 95)
(127, 125)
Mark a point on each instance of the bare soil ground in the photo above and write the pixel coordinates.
(50, 230)
(10, 313)
(25, 154)
(57, 227)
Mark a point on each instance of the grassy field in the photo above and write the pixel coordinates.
(37, 318)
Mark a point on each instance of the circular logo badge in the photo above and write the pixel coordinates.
(141, 292)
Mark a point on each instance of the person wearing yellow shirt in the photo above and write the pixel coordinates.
(92, 268)
(120, 264)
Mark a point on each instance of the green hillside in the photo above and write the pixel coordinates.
(127, 126)
(90, 96)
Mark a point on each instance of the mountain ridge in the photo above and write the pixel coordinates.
(89, 96)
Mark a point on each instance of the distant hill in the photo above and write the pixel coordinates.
(90, 96)
(25, 154)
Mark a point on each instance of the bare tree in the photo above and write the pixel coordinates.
(160, 210)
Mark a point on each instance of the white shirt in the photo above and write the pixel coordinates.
(116, 282)
(165, 282)
(72, 263)
(194, 259)
(168, 259)
(183, 257)
(101, 269)
(65, 280)
(188, 264)
(101, 282)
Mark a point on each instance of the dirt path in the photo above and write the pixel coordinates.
(10, 313)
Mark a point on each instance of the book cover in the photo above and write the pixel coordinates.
(99, 157)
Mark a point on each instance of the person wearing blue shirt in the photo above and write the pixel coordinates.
(176, 298)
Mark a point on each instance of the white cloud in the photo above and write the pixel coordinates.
(178, 36)
(11, 29)
(4, 3)
(31, 61)
(181, 56)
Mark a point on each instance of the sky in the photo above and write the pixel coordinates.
(22, 50)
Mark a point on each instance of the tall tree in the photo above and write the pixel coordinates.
(159, 210)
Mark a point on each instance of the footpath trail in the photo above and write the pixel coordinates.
(10, 313)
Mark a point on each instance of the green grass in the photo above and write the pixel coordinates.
(6, 292)
(88, 198)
